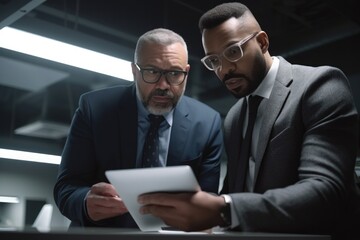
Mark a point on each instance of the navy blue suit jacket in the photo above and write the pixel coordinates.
(103, 136)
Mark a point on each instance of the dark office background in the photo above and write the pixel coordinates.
(312, 32)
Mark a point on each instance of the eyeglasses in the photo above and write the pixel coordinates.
(232, 53)
(153, 75)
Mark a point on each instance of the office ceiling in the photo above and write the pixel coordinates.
(38, 97)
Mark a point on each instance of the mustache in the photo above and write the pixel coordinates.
(230, 76)
(162, 93)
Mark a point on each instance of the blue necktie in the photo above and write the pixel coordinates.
(150, 156)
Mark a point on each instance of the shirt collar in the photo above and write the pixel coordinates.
(266, 86)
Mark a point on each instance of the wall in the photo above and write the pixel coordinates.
(33, 181)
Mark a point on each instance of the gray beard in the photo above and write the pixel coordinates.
(156, 110)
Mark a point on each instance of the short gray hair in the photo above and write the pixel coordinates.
(160, 36)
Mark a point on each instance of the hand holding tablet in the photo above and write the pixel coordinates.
(131, 183)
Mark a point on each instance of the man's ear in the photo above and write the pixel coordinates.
(263, 40)
(133, 68)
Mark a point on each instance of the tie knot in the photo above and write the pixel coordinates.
(254, 102)
(156, 119)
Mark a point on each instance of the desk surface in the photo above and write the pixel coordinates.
(116, 234)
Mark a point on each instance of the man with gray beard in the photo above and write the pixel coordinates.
(110, 126)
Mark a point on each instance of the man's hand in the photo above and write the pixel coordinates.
(103, 202)
(184, 211)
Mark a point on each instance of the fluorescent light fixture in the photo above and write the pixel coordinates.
(50, 49)
(8, 199)
(29, 156)
(44, 129)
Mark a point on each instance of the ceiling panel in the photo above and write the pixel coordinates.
(314, 32)
(28, 76)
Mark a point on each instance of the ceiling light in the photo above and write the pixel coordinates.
(44, 129)
(29, 156)
(8, 199)
(50, 49)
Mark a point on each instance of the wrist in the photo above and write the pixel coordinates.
(225, 212)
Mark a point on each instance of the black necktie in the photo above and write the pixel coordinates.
(150, 156)
(245, 151)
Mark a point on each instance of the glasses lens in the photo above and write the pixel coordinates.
(150, 75)
(212, 62)
(175, 77)
(233, 53)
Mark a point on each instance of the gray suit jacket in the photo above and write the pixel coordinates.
(306, 154)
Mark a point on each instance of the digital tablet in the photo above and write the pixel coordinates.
(130, 183)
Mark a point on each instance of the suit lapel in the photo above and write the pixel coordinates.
(128, 121)
(275, 103)
(180, 129)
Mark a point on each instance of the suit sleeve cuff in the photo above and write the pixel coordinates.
(234, 218)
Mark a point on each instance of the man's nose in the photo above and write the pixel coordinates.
(163, 83)
(227, 66)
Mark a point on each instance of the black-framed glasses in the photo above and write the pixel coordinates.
(153, 75)
(232, 53)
